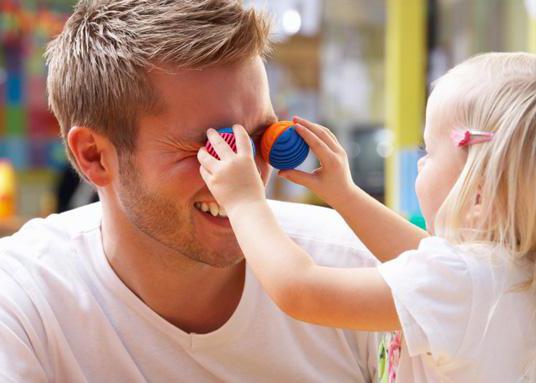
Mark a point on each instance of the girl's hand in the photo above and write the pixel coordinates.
(332, 181)
(234, 179)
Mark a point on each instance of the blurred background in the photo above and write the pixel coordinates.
(361, 67)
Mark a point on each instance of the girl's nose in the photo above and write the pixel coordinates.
(420, 163)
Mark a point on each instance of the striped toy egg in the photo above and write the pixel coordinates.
(283, 147)
(228, 136)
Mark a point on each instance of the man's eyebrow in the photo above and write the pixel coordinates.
(259, 129)
(198, 138)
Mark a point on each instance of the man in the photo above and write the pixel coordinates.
(150, 284)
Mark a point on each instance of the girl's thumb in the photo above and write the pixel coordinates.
(296, 176)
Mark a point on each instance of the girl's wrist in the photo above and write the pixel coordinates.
(345, 195)
(246, 207)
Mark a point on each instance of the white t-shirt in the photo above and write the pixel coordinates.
(65, 316)
(461, 321)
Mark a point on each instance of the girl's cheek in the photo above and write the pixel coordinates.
(420, 189)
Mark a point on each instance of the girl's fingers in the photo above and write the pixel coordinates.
(243, 142)
(322, 132)
(218, 143)
(205, 175)
(206, 160)
(319, 147)
(298, 177)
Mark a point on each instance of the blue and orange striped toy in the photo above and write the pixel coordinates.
(283, 147)
(280, 145)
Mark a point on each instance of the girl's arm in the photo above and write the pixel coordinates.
(356, 298)
(350, 298)
(385, 233)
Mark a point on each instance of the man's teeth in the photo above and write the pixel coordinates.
(212, 208)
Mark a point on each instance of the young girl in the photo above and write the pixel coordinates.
(462, 298)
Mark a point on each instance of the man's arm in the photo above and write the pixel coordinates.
(18, 362)
(18, 340)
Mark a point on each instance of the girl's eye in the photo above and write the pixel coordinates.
(422, 147)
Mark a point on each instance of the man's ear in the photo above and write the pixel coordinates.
(94, 154)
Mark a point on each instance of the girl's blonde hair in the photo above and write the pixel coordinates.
(496, 93)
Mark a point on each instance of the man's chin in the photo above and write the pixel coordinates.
(220, 256)
(222, 263)
(217, 247)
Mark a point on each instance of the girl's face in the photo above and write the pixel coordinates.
(443, 162)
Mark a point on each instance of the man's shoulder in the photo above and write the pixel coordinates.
(47, 237)
(314, 222)
(40, 282)
(323, 233)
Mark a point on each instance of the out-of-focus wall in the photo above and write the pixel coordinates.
(328, 65)
(29, 134)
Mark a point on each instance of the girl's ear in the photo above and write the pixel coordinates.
(474, 214)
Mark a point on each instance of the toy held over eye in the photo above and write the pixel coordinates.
(228, 136)
(283, 147)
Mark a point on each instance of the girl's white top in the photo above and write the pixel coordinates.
(462, 318)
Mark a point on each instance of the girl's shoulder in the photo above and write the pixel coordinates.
(484, 262)
(445, 293)
(434, 261)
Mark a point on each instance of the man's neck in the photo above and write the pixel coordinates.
(193, 296)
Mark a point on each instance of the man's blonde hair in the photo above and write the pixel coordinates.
(98, 65)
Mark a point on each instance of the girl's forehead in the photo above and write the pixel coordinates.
(441, 108)
(445, 92)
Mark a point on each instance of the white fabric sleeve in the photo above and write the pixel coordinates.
(372, 355)
(18, 359)
(433, 294)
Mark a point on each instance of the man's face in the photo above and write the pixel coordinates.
(160, 189)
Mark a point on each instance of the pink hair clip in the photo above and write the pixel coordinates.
(470, 137)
